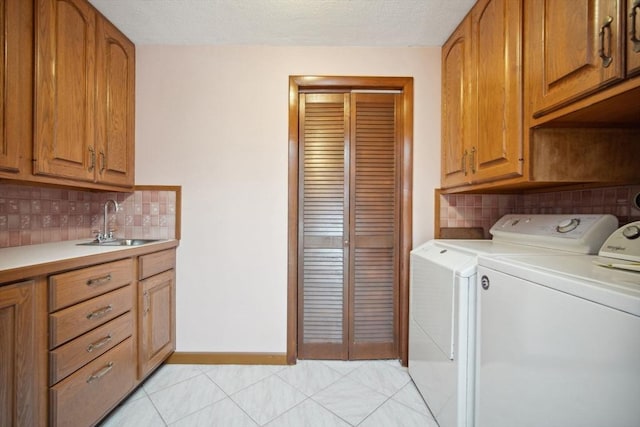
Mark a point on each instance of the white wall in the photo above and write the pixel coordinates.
(214, 120)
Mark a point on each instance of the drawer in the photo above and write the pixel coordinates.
(84, 397)
(68, 358)
(156, 263)
(74, 321)
(79, 285)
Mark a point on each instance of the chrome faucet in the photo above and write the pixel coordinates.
(107, 235)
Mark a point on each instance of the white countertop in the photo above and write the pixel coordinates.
(48, 253)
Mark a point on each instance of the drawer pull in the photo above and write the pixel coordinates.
(101, 373)
(100, 312)
(98, 344)
(99, 280)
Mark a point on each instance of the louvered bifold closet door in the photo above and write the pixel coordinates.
(375, 213)
(323, 219)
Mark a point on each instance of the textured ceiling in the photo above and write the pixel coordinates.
(287, 22)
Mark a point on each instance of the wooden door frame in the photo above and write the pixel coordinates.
(404, 84)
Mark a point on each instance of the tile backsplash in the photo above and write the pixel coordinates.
(31, 215)
(483, 210)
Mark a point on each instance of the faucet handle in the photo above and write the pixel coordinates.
(99, 236)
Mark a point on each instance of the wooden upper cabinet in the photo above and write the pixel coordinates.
(83, 96)
(65, 85)
(633, 37)
(575, 48)
(456, 124)
(482, 96)
(115, 106)
(16, 79)
(496, 37)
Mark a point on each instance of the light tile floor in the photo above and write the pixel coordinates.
(308, 394)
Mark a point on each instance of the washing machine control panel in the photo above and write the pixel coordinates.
(624, 243)
(581, 233)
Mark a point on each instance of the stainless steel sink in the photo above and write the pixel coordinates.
(120, 242)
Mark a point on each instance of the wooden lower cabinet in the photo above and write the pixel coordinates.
(75, 343)
(64, 360)
(70, 322)
(84, 397)
(91, 340)
(22, 347)
(156, 310)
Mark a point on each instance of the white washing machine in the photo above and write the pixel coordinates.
(443, 300)
(558, 338)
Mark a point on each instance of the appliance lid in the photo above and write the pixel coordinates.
(458, 262)
(575, 275)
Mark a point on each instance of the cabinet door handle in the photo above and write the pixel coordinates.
(146, 303)
(99, 312)
(99, 280)
(464, 162)
(98, 344)
(93, 159)
(101, 373)
(472, 160)
(632, 32)
(606, 27)
(103, 162)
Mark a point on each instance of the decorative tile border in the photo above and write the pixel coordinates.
(31, 215)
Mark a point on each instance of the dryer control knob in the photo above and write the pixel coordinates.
(567, 225)
(631, 232)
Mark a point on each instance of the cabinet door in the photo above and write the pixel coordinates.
(496, 150)
(21, 351)
(575, 48)
(115, 63)
(65, 86)
(15, 82)
(456, 114)
(633, 37)
(156, 306)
